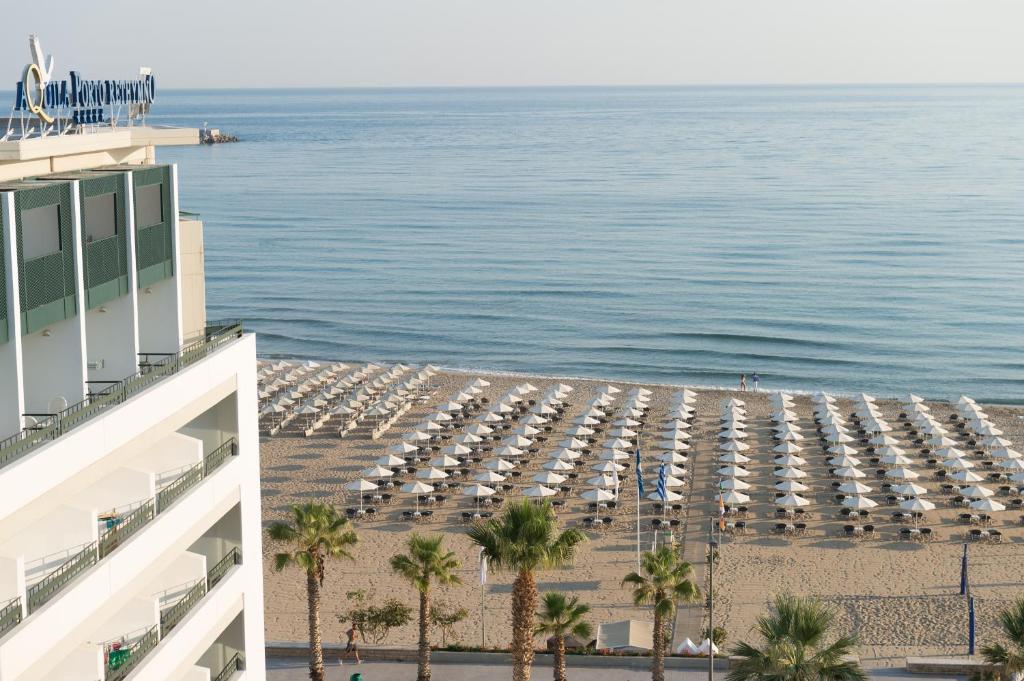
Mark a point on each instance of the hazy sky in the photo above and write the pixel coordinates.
(253, 43)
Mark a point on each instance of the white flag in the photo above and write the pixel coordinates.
(483, 568)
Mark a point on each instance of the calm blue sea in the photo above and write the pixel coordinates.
(846, 238)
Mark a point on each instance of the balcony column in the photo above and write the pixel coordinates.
(12, 373)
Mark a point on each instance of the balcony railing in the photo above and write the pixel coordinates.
(235, 664)
(121, 662)
(10, 615)
(127, 526)
(174, 614)
(217, 572)
(46, 588)
(181, 484)
(116, 534)
(52, 426)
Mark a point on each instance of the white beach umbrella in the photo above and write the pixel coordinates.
(734, 497)
(402, 448)
(732, 434)
(671, 445)
(525, 431)
(608, 390)
(883, 440)
(670, 481)
(987, 505)
(909, 489)
(790, 460)
(977, 492)
(844, 461)
(390, 460)
(850, 472)
(950, 453)
(902, 474)
(942, 441)
(613, 455)
(790, 436)
(498, 464)
(417, 488)
(506, 452)
(966, 476)
(376, 472)
(517, 441)
(789, 472)
(456, 450)
(533, 420)
(618, 443)
(1012, 464)
(671, 457)
(557, 465)
(734, 457)
(669, 496)
(896, 460)
(675, 434)
(564, 454)
(733, 472)
(787, 448)
(622, 433)
(539, 491)
(854, 487)
(791, 486)
(733, 446)
(573, 443)
(839, 438)
(477, 491)
(957, 464)
(579, 431)
(431, 474)
(607, 467)
(1005, 453)
(416, 436)
(489, 476)
(792, 501)
(605, 481)
(479, 429)
(917, 505)
(733, 483)
(996, 442)
(360, 485)
(859, 502)
(549, 478)
(842, 450)
(597, 495)
(629, 423)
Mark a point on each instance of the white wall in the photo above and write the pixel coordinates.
(110, 337)
(53, 366)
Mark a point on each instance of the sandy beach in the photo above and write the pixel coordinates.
(899, 597)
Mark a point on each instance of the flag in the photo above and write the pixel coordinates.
(721, 513)
(615, 476)
(639, 474)
(662, 491)
(483, 568)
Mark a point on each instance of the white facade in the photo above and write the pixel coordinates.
(129, 457)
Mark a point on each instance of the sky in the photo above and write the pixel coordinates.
(423, 43)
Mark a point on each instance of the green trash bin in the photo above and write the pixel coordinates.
(356, 677)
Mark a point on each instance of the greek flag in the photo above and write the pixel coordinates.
(662, 491)
(639, 473)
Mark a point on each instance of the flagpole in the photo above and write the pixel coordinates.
(638, 472)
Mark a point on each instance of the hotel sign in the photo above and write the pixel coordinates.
(77, 101)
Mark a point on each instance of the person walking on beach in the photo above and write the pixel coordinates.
(743, 383)
(351, 646)
(755, 379)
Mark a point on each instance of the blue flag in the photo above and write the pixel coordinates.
(639, 473)
(662, 491)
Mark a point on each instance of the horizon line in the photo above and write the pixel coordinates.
(610, 85)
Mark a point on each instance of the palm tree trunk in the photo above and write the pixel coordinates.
(524, 605)
(658, 661)
(423, 673)
(316, 651)
(560, 659)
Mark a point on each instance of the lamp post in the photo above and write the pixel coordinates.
(712, 547)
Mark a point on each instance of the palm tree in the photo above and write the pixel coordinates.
(1008, 660)
(524, 539)
(663, 582)
(559, 617)
(316, 533)
(794, 634)
(426, 560)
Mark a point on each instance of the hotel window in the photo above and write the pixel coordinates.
(100, 217)
(40, 231)
(149, 205)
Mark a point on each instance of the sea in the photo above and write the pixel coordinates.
(839, 238)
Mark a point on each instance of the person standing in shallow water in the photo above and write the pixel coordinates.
(743, 383)
(755, 379)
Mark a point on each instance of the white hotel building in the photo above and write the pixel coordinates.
(129, 456)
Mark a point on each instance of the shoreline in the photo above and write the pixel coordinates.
(508, 373)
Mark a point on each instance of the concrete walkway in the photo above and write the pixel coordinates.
(291, 669)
